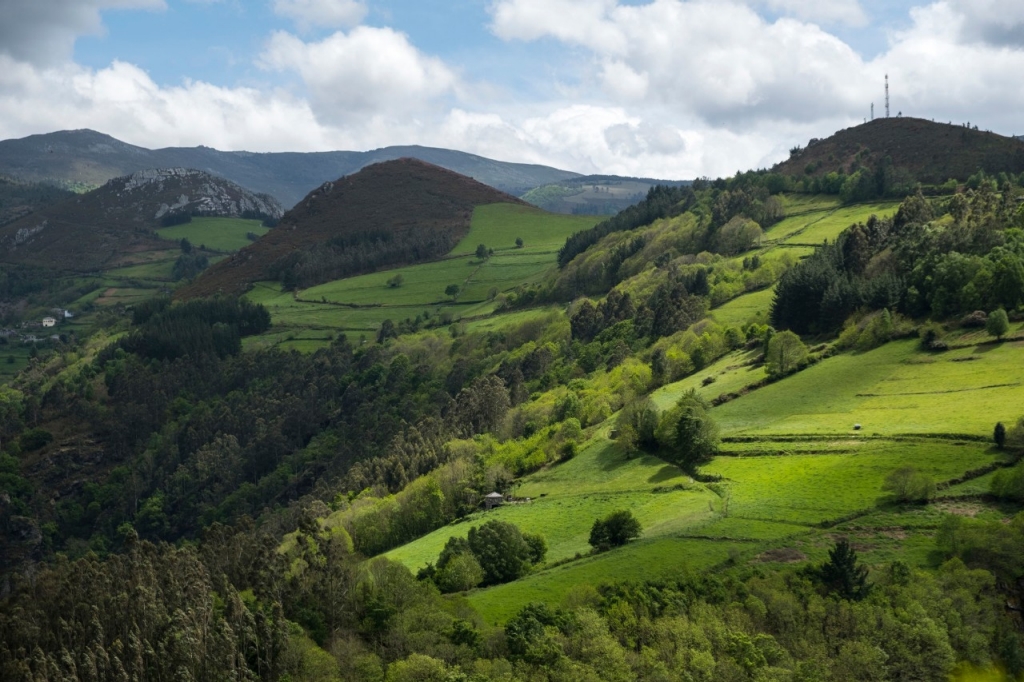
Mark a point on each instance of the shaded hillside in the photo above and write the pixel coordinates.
(19, 198)
(396, 212)
(86, 232)
(91, 158)
(931, 152)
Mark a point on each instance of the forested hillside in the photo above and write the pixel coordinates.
(736, 432)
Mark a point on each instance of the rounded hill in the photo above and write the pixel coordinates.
(87, 232)
(931, 152)
(388, 214)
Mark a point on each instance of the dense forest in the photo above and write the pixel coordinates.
(173, 506)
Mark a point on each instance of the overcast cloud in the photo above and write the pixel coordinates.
(669, 88)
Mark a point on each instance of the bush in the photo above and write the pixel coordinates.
(997, 323)
(614, 530)
(34, 439)
(907, 484)
(1008, 484)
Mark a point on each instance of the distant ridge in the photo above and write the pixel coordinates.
(390, 213)
(86, 232)
(86, 157)
(931, 152)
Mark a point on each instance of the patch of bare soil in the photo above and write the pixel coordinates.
(960, 508)
(782, 555)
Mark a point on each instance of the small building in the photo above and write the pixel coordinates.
(49, 322)
(493, 500)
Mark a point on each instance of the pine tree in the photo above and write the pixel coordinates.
(842, 575)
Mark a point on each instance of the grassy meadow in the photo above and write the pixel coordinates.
(360, 304)
(216, 234)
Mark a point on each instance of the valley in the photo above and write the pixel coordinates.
(393, 429)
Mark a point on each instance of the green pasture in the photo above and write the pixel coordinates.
(812, 488)
(218, 234)
(828, 227)
(895, 389)
(804, 203)
(362, 303)
(18, 352)
(815, 221)
(742, 310)
(159, 271)
(645, 559)
(497, 226)
(566, 499)
(731, 372)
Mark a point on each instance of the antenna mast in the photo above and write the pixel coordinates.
(887, 95)
(872, 111)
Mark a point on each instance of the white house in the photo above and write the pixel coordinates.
(49, 322)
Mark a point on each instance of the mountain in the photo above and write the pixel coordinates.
(401, 211)
(86, 157)
(19, 198)
(931, 152)
(85, 232)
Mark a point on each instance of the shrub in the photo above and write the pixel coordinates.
(997, 323)
(614, 530)
(33, 439)
(907, 484)
(1008, 484)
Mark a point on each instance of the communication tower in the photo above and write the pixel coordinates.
(872, 111)
(887, 95)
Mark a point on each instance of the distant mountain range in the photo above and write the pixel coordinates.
(90, 231)
(86, 158)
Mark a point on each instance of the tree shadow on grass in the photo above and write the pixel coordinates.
(666, 473)
(611, 457)
(988, 347)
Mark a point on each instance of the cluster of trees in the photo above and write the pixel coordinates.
(660, 202)
(230, 606)
(685, 435)
(907, 264)
(348, 255)
(494, 553)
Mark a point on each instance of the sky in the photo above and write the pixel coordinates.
(672, 89)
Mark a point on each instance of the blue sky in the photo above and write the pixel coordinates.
(665, 88)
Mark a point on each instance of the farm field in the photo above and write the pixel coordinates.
(829, 225)
(742, 310)
(595, 483)
(360, 304)
(811, 220)
(794, 475)
(895, 389)
(218, 234)
(498, 225)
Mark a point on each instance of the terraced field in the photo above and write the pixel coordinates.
(361, 304)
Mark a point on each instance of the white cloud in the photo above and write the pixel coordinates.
(123, 101)
(999, 22)
(325, 13)
(368, 71)
(670, 88)
(720, 60)
(823, 11)
(45, 32)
